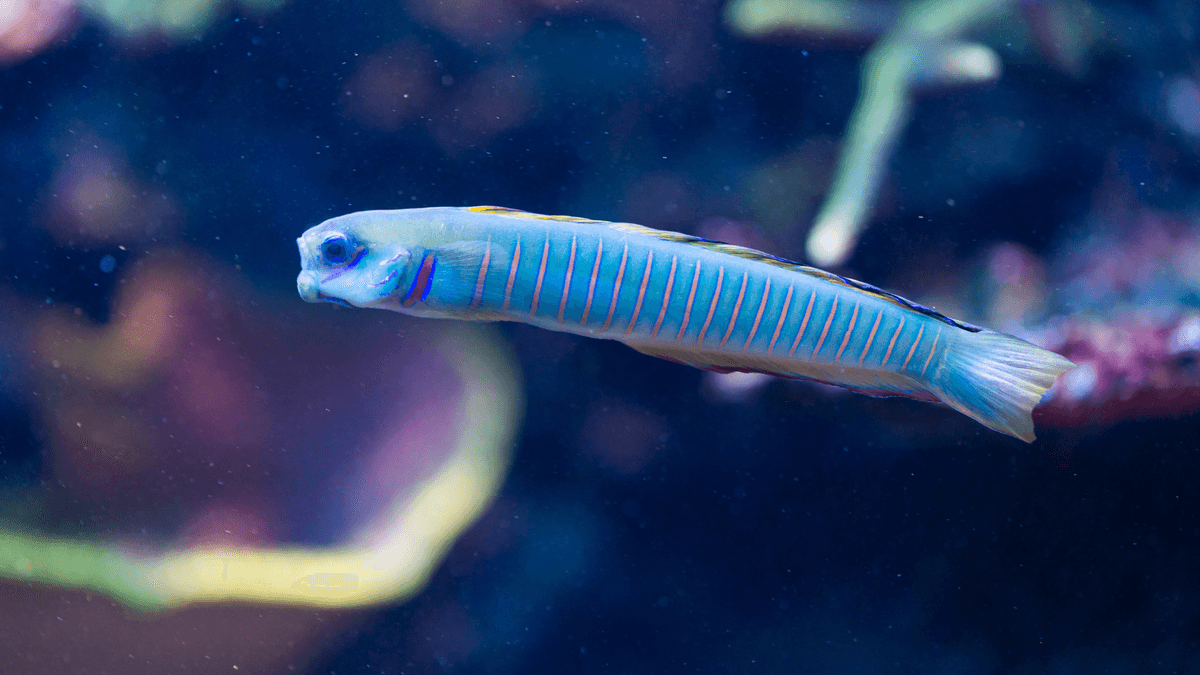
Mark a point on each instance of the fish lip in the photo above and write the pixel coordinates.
(309, 287)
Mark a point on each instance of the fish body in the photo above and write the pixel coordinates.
(702, 303)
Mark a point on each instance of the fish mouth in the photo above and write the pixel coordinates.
(336, 301)
(309, 287)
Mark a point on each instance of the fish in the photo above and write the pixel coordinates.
(690, 300)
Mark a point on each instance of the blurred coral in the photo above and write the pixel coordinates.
(1122, 301)
(178, 420)
(479, 23)
(1183, 104)
(401, 84)
(680, 30)
(1132, 323)
(1128, 367)
(92, 634)
(392, 87)
(27, 26)
(499, 97)
(96, 197)
(921, 49)
(172, 19)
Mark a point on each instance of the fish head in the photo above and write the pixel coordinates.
(348, 262)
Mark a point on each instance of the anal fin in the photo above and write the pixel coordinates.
(861, 380)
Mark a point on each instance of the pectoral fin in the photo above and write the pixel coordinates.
(464, 257)
(468, 284)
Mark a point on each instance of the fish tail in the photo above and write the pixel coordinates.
(997, 380)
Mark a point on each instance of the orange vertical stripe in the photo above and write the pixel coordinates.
(483, 270)
(849, 331)
(587, 307)
(562, 304)
(537, 290)
(803, 323)
(712, 307)
(736, 308)
(825, 330)
(913, 349)
(512, 275)
(616, 292)
(758, 317)
(637, 307)
(887, 355)
(687, 309)
(782, 317)
(421, 284)
(930, 357)
(870, 337)
(666, 298)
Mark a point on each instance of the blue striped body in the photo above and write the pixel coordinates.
(706, 304)
(713, 301)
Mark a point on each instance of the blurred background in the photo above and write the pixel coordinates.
(1030, 166)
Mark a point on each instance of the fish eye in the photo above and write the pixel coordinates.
(336, 250)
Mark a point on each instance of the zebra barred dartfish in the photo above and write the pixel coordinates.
(702, 303)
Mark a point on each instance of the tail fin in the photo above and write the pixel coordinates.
(997, 380)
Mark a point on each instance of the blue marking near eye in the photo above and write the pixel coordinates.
(428, 282)
(386, 280)
(353, 263)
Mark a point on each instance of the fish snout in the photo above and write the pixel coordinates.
(308, 286)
